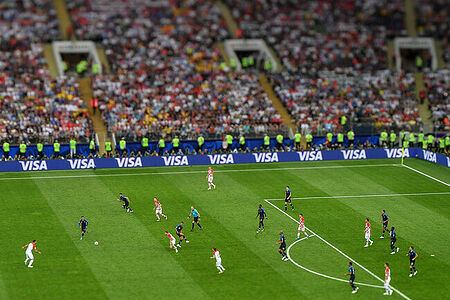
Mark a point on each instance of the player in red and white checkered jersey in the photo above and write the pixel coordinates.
(368, 233)
(301, 226)
(158, 209)
(172, 241)
(210, 178)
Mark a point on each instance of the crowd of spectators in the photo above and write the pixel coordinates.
(437, 88)
(384, 99)
(311, 36)
(168, 78)
(185, 105)
(433, 20)
(23, 22)
(152, 35)
(37, 108)
(32, 105)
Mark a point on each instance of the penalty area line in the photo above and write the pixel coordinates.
(342, 253)
(364, 196)
(320, 274)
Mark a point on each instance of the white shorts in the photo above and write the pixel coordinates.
(158, 211)
(386, 283)
(218, 262)
(29, 255)
(210, 179)
(172, 242)
(301, 228)
(367, 235)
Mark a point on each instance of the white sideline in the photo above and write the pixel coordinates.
(342, 253)
(426, 175)
(196, 172)
(320, 274)
(363, 196)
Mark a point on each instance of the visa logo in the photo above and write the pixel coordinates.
(430, 156)
(310, 155)
(129, 162)
(220, 159)
(37, 165)
(354, 154)
(175, 160)
(396, 153)
(266, 157)
(81, 163)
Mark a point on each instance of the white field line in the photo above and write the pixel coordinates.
(195, 172)
(320, 274)
(426, 175)
(342, 253)
(363, 196)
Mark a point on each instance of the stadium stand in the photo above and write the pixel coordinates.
(312, 36)
(33, 105)
(384, 99)
(169, 79)
(433, 20)
(188, 105)
(437, 88)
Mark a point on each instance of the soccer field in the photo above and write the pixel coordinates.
(133, 259)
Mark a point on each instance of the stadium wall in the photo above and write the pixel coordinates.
(219, 159)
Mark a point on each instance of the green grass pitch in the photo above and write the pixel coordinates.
(133, 260)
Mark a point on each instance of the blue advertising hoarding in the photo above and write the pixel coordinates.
(219, 159)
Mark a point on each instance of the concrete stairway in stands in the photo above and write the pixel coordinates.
(226, 14)
(276, 102)
(424, 111)
(410, 18)
(64, 18)
(99, 125)
(50, 58)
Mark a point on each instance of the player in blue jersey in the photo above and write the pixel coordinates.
(179, 230)
(287, 198)
(282, 249)
(412, 261)
(384, 221)
(126, 202)
(83, 224)
(261, 214)
(351, 272)
(393, 235)
(194, 213)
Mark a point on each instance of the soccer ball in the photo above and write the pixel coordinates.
(95, 243)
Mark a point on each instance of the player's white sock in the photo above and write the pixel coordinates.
(31, 263)
(209, 186)
(164, 216)
(213, 185)
(298, 235)
(26, 260)
(157, 217)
